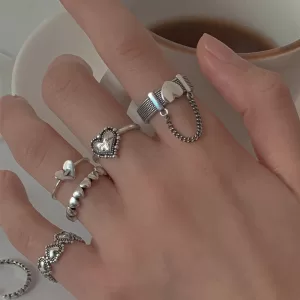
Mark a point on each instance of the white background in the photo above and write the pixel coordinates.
(17, 20)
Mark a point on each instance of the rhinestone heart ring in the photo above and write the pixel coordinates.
(106, 143)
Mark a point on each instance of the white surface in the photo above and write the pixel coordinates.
(17, 20)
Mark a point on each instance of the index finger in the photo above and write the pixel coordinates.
(123, 43)
(131, 54)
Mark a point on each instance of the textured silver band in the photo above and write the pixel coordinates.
(148, 109)
(67, 173)
(106, 143)
(54, 251)
(79, 193)
(26, 286)
(159, 100)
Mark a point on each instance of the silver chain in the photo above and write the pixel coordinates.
(26, 286)
(186, 139)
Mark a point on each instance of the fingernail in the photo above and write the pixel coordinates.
(69, 58)
(221, 51)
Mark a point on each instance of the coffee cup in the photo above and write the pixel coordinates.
(274, 20)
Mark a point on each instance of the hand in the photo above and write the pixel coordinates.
(179, 221)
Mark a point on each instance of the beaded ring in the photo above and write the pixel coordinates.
(26, 286)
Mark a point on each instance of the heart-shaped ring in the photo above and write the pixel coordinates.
(171, 91)
(68, 173)
(106, 143)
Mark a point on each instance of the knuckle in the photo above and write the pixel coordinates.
(275, 89)
(132, 54)
(13, 227)
(273, 84)
(7, 180)
(4, 100)
(64, 77)
(12, 108)
(18, 236)
(129, 49)
(35, 147)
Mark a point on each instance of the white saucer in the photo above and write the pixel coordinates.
(54, 37)
(6, 67)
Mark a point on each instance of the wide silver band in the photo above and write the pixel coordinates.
(67, 173)
(155, 102)
(54, 251)
(80, 192)
(158, 101)
(26, 286)
(106, 143)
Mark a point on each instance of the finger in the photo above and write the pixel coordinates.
(29, 232)
(265, 103)
(42, 152)
(132, 55)
(71, 91)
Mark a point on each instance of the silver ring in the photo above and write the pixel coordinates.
(67, 173)
(26, 286)
(158, 100)
(54, 251)
(106, 143)
(79, 193)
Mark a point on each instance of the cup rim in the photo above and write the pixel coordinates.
(253, 56)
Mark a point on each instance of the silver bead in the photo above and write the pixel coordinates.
(74, 202)
(72, 212)
(85, 183)
(93, 176)
(78, 193)
(100, 170)
(71, 218)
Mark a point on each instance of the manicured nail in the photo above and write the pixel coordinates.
(18, 98)
(69, 58)
(221, 51)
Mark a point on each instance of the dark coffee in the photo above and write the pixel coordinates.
(238, 37)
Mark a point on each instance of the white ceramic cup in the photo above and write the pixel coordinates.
(276, 19)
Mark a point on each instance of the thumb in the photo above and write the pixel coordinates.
(264, 102)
